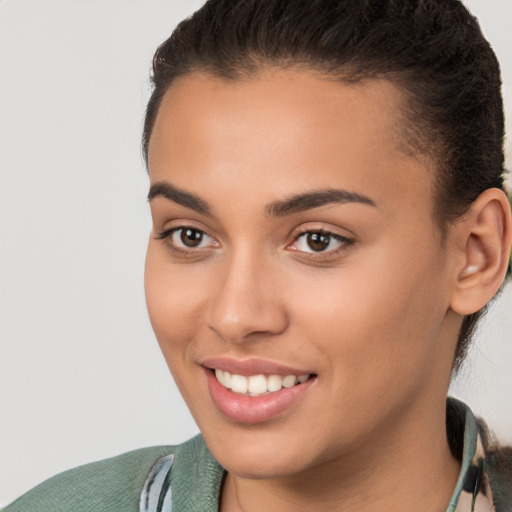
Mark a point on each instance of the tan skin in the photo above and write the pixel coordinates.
(374, 313)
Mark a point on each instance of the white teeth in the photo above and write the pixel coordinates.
(257, 385)
(289, 381)
(226, 380)
(239, 383)
(274, 382)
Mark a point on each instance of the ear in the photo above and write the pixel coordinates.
(484, 237)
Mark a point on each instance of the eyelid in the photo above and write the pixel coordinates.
(346, 242)
(181, 251)
(313, 227)
(179, 223)
(166, 233)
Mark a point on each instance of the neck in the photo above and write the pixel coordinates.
(404, 468)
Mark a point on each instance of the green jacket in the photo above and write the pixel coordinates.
(186, 478)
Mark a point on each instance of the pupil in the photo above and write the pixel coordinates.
(318, 241)
(191, 237)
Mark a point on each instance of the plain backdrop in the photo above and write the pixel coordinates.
(81, 376)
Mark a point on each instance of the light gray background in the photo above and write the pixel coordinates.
(81, 376)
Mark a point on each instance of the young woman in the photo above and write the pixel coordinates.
(329, 222)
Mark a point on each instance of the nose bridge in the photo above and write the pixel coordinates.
(246, 300)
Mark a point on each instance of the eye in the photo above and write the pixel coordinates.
(186, 238)
(319, 242)
(189, 237)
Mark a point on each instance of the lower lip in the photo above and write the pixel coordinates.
(254, 409)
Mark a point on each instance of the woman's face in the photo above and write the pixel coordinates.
(293, 237)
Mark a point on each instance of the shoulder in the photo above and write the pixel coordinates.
(109, 485)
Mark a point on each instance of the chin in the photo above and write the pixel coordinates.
(259, 453)
(262, 466)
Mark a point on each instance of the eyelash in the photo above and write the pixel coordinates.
(345, 243)
(166, 236)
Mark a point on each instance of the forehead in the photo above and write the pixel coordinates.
(296, 100)
(285, 127)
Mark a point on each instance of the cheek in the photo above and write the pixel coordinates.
(174, 300)
(370, 317)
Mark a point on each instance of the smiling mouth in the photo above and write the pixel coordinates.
(258, 385)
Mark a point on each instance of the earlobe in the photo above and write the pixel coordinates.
(485, 235)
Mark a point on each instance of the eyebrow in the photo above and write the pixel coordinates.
(295, 204)
(316, 199)
(164, 189)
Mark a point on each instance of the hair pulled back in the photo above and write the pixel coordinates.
(433, 50)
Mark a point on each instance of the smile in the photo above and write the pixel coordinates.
(258, 394)
(257, 385)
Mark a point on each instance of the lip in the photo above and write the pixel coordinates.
(252, 367)
(259, 409)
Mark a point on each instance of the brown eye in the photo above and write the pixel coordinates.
(186, 241)
(191, 237)
(318, 241)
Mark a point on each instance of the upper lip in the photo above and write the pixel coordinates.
(252, 367)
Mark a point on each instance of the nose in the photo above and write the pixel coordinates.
(246, 301)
